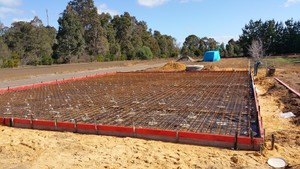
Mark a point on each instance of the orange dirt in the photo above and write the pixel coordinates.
(170, 66)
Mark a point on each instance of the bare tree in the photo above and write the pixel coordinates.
(256, 49)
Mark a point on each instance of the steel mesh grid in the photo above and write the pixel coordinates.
(202, 102)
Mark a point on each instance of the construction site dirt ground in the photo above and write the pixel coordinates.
(23, 148)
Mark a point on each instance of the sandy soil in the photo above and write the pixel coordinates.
(23, 148)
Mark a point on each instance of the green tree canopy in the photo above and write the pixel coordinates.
(144, 53)
(276, 37)
(70, 41)
(31, 41)
(195, 46)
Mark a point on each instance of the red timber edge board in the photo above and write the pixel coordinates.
(287, 86)
(261, 130)
(1, 121)
(145, 133)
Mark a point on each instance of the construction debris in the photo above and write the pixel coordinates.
(185, 59)
(287, 115)
(194, 67)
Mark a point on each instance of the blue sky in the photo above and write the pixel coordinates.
(220, 19)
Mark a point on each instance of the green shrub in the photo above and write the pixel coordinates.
(11, 62)
(15, 59)
(123, 57)
(163, 56)
(144, 53)
(46, 60)
(100, 58)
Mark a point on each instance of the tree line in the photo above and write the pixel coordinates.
(26, 43)
(83, 35)
(277, 38)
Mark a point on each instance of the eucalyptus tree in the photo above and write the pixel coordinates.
(191, 46)
(70, 40)
(93, 33)
(31, 41)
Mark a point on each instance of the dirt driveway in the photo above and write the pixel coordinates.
(34, 75)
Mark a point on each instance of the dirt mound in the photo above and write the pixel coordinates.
(212, 68)
(274, 89)
(174, 66)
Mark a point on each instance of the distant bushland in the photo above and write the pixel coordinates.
(277, 38)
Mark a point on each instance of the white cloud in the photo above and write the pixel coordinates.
(104, 8)
(225, 39)
(152, 3)
(11, 2)
(6, 10)
(291, 2)
(22, 19)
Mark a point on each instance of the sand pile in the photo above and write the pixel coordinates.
(174, 66)
(213, 68)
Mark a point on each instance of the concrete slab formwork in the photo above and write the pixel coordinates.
(215, 108)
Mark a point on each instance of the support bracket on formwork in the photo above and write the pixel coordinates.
(96, 128)
(235, 146)
(31, 123)
(252, 138)
(11, 122)
(55, 124)
(133, 127)
(75, 126)
(177, 137)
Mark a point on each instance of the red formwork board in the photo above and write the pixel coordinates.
(1, 121)
(22, 123)
(120, 131)
(44, 125)
(87, 128)
(66, 126)
(208, 137)
(7, 121)
(155, 132)
(257, 108)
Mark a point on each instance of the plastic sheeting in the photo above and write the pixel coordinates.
(212, 56)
